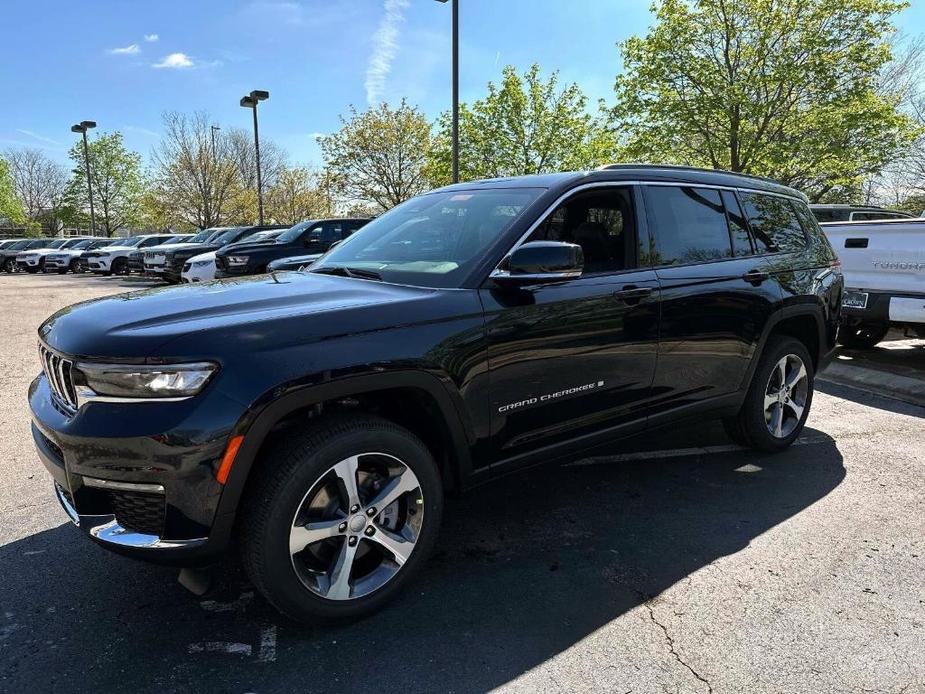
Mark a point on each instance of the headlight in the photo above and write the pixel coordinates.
(125, 381)
(202, 263)
(237, 260)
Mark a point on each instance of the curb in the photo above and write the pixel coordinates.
(890, 385)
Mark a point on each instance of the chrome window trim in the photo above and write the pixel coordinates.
(616, 184)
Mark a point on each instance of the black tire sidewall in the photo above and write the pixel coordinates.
(753, 413)
(282, 585)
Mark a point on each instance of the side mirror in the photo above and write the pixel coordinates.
(541, 261)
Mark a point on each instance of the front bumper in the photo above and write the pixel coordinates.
(134, 478)
(27, 263)
(99, 264)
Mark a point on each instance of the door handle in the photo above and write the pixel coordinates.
(756, 277)
(631, 294)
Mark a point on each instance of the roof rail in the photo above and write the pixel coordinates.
(679, 167)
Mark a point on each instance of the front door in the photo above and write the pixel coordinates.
(574, 357)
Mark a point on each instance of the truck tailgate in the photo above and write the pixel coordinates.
(884, 256)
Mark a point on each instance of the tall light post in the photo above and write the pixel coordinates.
(82, 127)
(214, 128)
(455, 89)
(250, 101)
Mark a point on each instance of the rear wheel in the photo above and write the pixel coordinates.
(779, 397)
(340, 518)
(9, 265)
(862, 336)
(75, 266)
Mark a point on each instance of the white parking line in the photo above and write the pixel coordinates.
(221, 647)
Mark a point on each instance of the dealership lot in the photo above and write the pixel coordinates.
(675, 562)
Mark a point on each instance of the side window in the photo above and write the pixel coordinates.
(738, 228)
(810, 225)
(331, 232)
(774, 223)
(149, 242)
(313, 235)
(601, 221)
(689, 225)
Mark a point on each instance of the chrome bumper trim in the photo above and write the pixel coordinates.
(123, 486)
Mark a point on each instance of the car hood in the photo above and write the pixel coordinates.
(37, 251)
(202, 256)
(256, 246)
(247, 315)
(167, 247)
(107, 249)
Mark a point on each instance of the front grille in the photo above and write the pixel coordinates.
(59, 372)
(142, 512)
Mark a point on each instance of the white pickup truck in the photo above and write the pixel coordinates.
(884, 267)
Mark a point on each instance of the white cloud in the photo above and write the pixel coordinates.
(175, 61)
(151, 38)
(385, 47)
(40, 138)
(126, 50)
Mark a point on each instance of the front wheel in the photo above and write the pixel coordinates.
(779, 397)
(119, 267)
(862, 336)
(340, 517)
(9, 265)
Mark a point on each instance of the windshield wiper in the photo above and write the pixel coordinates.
(345, 271)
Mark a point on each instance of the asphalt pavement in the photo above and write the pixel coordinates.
(674, 562)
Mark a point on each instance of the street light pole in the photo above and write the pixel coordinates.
(82, 128)
(214, 128)
(455, 9)
(250, 101)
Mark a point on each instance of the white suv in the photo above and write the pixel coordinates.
(113, 259)
(33, 260)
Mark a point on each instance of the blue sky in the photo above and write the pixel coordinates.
(122, 63)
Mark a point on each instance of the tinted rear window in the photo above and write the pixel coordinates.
(774, 222)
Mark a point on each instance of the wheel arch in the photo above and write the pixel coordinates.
(804, 322)
(430, 395)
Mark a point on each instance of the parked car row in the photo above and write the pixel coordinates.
(212, 253)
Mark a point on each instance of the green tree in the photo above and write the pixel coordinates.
(295, 196)
(10, 207)
(525, 125)
(783, 89)
(115, 174)
(378, 156)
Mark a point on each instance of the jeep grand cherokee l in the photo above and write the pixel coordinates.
(315, 419)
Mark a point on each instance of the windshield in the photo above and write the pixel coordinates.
(53, 244)
(293, 233)
(226, 236)
(72, 243)
(19, 245)
(267, 235)
(433, 240)
(80, 245)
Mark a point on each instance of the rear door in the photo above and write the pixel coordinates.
(716, 293)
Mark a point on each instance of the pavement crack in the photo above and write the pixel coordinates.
(671, 649)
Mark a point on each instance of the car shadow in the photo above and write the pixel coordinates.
(526, 567)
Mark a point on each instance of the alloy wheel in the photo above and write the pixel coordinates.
(356, 526)
(785, 396)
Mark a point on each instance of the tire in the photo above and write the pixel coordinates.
(756, 424)
(74, 267)
(302, 476)
(862, 336)
(9, 266)
(119, 267)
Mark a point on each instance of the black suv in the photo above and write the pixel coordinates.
(175, 257)
(317, 418)
(310, 236)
